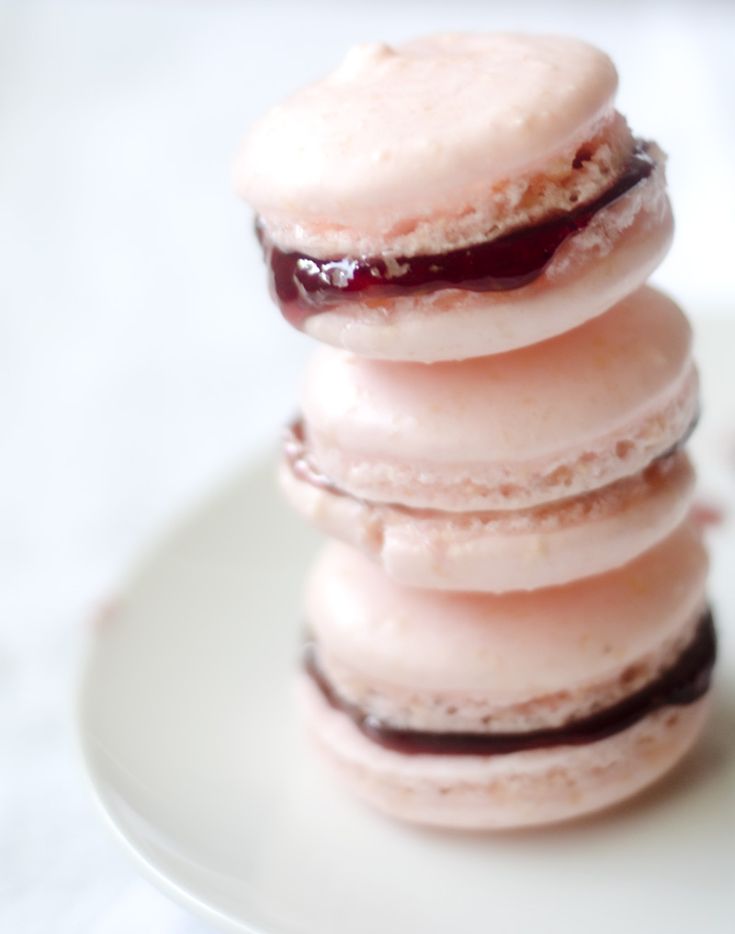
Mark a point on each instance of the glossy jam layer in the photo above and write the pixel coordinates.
(685, 682)
(304, 285)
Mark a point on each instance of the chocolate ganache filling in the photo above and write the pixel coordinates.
(304, 285)
(687, 680)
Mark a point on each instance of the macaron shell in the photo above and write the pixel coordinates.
(503, 791)
(505, 551)
(508, 431)
(369, 143)
(588, 274)
(509, 647)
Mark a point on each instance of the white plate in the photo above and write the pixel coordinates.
(195, 756)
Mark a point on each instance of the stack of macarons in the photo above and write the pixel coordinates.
(510, 625)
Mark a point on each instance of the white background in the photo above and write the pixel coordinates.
(140, 360)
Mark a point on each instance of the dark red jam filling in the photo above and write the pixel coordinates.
(304, 285)
(296, 454)
(685, 682)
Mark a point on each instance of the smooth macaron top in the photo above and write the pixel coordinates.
(519, 645)
(409, 131)
(538, 402)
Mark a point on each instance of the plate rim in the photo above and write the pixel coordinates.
(91, 750)
(85, 764)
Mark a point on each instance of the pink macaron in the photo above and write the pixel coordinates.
(483, 710)
(389, 236)
(515, 471)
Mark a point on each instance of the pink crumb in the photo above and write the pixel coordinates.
(106, 612)
(707, 514)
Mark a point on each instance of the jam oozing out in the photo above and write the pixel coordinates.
(683, 683)
(304, 285)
